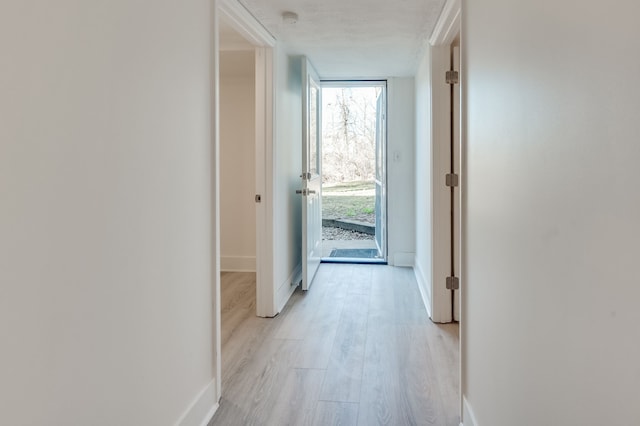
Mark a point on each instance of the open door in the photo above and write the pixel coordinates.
(311, 175)
(381, 196)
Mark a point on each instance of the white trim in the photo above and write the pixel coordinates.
(467, 412)
(404, 259)
(265, 106)
(215, 197)
(424, 286)
(468, 419)
(286, 289)
(238, 263)
(202, 409)
(241, 20)
(445, 32)
(448, 25)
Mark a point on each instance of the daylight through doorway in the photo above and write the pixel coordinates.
(353, 172)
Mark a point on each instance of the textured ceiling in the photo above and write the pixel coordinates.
(353, 38)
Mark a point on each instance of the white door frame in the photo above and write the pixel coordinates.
(252, 31)
(446, 30)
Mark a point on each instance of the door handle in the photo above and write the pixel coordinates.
(305, 192)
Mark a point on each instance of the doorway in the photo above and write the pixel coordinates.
(237, 165)
(242, 74)
(354, 172)
(245, 73)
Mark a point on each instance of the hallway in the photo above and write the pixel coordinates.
(358, 348)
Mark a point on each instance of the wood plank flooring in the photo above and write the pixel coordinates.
(357, 349)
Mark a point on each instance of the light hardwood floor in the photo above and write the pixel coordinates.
(357, 349)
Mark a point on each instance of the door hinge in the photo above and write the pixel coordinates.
(258, 198)
(453, 283)
(451, 180)
(306, 176)
(452, 77)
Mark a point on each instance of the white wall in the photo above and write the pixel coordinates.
(400, 171)
(106, 252)
(237, 161)
(423, 206)
(550, 283)
(287, 228)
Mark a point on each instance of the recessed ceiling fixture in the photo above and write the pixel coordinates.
(289, 18)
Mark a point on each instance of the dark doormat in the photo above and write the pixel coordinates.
(355, 253)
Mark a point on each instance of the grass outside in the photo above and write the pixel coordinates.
(359, 185)
(349, 200)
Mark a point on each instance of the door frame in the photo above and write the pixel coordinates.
(252, 31)
(446, 30)
(264, 43)
(384, 84)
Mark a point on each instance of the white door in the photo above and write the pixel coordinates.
(311, 175)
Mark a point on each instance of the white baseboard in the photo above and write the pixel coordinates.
(468, 419)
(403, 259)
(424, 287)
(286, 289)
(238, 263)
(202, 409)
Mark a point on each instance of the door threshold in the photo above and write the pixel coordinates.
(356, 260)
